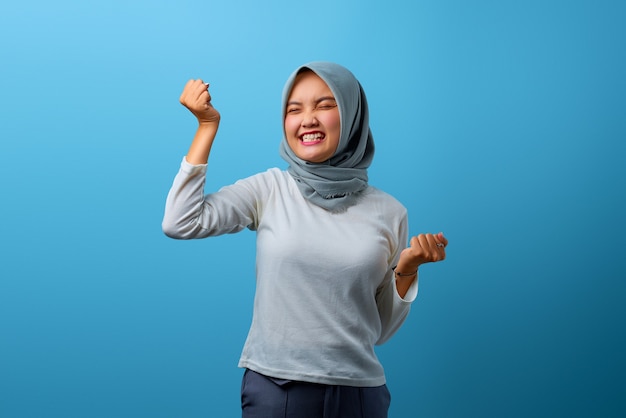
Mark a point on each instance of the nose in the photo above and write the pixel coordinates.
(309, 119)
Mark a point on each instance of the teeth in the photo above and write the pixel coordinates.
(312, 137)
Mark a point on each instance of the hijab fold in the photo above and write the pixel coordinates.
(335, 184)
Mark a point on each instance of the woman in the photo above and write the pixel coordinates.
(333, 275)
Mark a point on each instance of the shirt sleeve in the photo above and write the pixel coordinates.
(392, 308)
(189, 213)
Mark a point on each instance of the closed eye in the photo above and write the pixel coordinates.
(326, 104)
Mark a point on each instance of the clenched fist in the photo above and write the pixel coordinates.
(197, 99)
(423, 248)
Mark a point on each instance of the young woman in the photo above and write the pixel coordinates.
(334, 274)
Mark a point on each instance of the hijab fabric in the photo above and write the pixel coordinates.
(337, 183)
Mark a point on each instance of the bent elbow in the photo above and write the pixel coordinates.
(171, 231)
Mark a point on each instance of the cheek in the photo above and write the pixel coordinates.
(291, 126)
(334, 122)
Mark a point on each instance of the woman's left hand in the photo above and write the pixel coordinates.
(424, 248)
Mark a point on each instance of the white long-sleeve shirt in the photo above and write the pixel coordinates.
(325, 293)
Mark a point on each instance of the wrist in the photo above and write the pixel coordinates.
(208, 125)
(405, 272)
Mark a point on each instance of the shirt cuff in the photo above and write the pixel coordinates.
(411, 293)
(189, 168)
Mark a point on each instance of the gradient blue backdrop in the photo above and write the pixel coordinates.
(501, 123)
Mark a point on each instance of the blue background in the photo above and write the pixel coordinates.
(501, 123)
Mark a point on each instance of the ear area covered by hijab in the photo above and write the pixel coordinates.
(336, 183)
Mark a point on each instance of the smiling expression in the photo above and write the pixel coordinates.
(312, 121)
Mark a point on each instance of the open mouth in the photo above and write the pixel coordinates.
(312, 138)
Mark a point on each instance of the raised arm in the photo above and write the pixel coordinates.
(186, 213)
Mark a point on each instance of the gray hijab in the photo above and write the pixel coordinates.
(337, 183)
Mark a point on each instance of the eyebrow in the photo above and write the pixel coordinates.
(318, 101)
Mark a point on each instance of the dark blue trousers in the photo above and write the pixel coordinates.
(267, 397)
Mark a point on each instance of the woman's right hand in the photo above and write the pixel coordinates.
(197, 99)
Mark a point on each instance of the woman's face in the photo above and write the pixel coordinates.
(312, 123)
